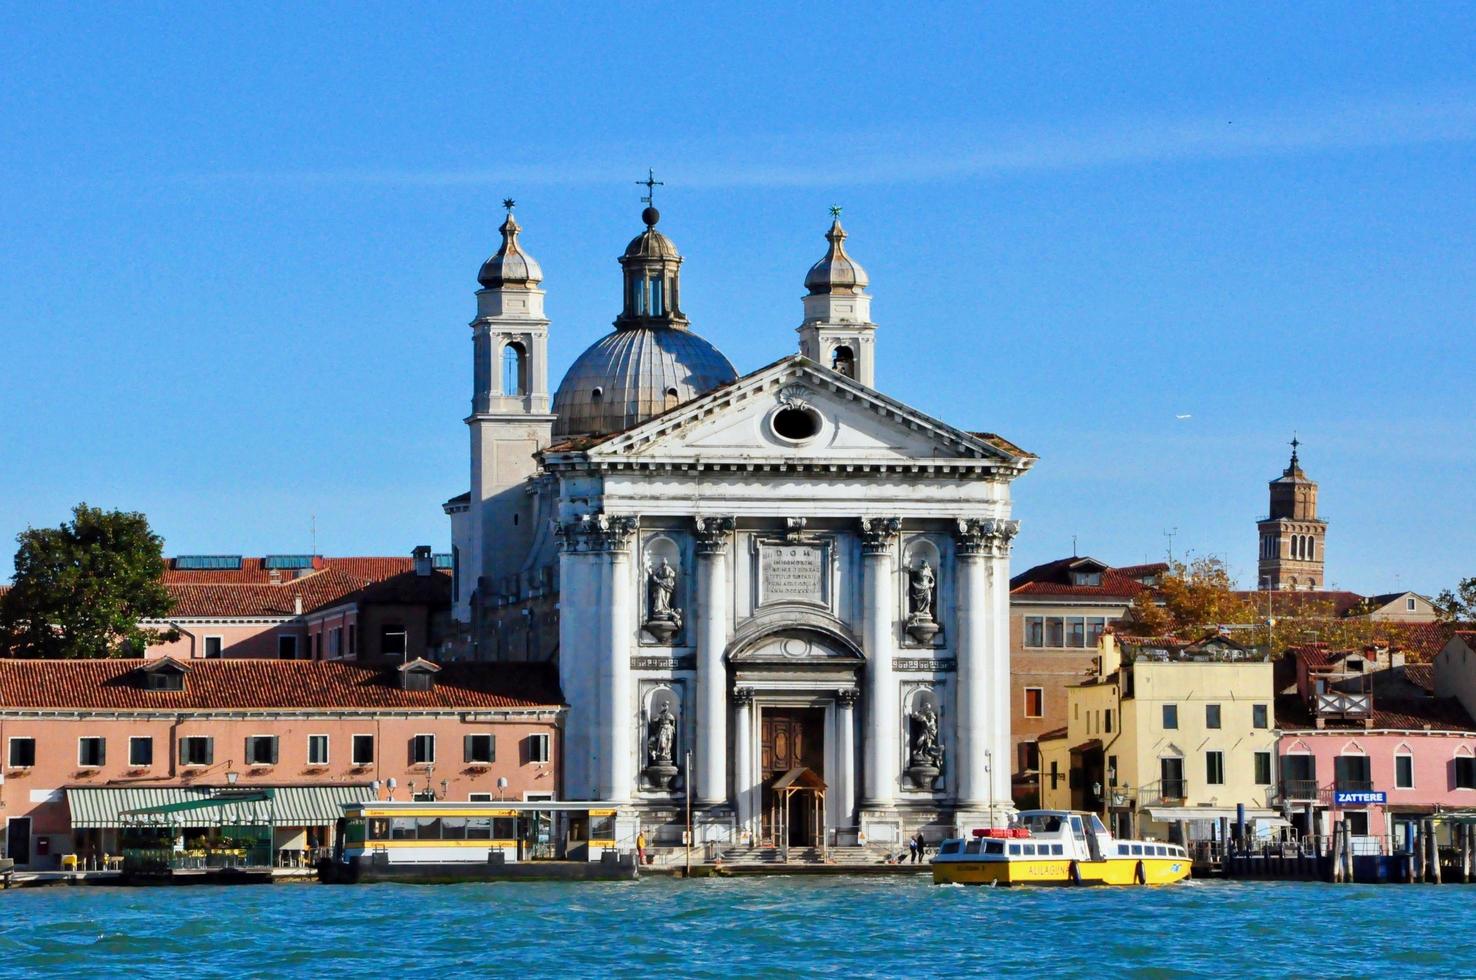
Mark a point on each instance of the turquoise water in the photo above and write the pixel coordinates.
(739, 927)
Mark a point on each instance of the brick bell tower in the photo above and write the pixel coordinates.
(1292, 535)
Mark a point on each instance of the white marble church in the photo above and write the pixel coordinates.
(786, 586)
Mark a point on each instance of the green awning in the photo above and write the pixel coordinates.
(95, 807)
(223, 799)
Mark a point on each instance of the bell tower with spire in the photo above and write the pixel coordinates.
(510, 418)
(1292, 535)
(838, 332)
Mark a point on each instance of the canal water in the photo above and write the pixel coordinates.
(739, 927)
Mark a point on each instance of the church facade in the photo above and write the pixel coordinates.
(785, 592)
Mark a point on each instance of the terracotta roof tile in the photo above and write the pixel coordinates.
(1053, 578)
(116, 684)
(249, 592)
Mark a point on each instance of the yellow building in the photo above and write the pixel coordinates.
(1164, 731)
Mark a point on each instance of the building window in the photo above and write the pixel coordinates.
(1353, 772)
(538, 748)
(512, 369)
(363, 750)
(92, 752)
(317, 646)
(1055, 631)
(392, 640)
(141, 751)
(1095, 626)
(213, 646)
(1465, 772)
(422, 750)
(1035, 631)
(22, 753)
(1263, 768)
(197, 750)
(335, 642)
(1404, 772)
(1107, 719)
(353, 640)
(1212, 716)
(1055, 774)
(286, 646)
(1214, 768)
(1259, 716)
(317, 750)
(1034, 702)
(1409, 604)
(1171, 716)
(479, 797)
(479, 748)
(1076, 632)
(261, 750)
(1357, 822)
(1086, 578)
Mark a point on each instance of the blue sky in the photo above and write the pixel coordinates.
(240, 245)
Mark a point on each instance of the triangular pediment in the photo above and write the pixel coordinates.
(795, 412)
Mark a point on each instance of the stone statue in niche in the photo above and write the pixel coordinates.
(925, 756)
(664, 619)
(922, 591)
(661, 737)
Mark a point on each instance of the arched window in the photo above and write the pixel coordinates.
(1311, 548)
(514, 362)
(673, 398)
(843, 361)
(656, 299)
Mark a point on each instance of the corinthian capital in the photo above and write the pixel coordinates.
(713, 534)
(984, 536)
(596, 532)
(878, 533)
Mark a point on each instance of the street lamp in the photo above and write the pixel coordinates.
(232, 776)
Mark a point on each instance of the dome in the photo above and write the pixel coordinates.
(651, 244)
(837, 272)
(634, 374)
(510, 267)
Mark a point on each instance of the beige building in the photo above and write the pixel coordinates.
(1058, 610)
(1164, 731)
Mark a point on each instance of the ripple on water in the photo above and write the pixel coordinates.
(734, 927)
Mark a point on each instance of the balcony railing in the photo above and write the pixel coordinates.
(1299, 790)
(1165, 791)
(1343, 704)
(1353, 785)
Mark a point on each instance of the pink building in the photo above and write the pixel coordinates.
(85, 741)
(1366, 739)
(306, 607)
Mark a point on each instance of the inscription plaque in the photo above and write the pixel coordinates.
(793, 573)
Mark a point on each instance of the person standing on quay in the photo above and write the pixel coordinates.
(641, 848)
(912, 849)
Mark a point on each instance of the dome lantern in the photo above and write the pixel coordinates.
(652, 270)
(510, 267)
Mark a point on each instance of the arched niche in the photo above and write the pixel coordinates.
(661, 737)
(663, 588)
(921, 590)
(922, 726)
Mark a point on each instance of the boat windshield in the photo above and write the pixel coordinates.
(1042, 823)
(1097, 827)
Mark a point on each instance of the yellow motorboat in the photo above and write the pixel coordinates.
(1056, 847)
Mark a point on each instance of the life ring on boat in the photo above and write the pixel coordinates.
(1140, 875)
(1075, 872)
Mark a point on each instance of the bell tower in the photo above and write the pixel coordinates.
(510, 418)
(838, 332)
(1291, 535)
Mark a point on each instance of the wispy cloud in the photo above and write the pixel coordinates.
(968, 152)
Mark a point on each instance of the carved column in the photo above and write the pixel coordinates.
(594, 642)
(982, 715)
(744, 787)
(713, 534)
(845, 756)
(878, 547)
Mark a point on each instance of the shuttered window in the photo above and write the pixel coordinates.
(479, 748)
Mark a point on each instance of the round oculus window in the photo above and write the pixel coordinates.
(795, 424)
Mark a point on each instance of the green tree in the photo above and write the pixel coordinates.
(1458, 605)
(81, 589)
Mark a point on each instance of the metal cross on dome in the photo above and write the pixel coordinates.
(650, 183)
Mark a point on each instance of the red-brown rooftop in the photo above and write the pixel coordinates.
(280, 684)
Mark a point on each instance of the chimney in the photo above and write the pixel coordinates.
(422, 557)
(297, 604)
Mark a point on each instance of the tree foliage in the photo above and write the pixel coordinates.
(1458, 605)
(1191, 599)
(80, 590)
(1195, 598)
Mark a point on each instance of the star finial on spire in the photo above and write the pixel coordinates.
(650, 183)
(835, 211)
(509, 204)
